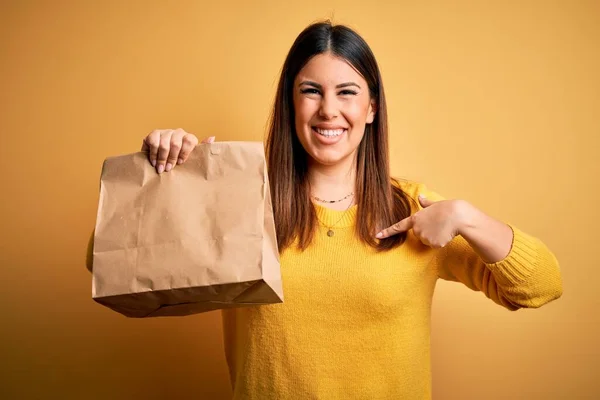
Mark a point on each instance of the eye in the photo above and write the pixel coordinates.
(309, 91)
(348, 92)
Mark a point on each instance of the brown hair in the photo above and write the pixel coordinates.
(380, 200)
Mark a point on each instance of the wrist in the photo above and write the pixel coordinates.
(466, 216)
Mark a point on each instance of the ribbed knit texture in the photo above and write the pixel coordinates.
(355, 324)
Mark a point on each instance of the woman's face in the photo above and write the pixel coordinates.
(332, 106)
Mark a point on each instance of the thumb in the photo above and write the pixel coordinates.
(424, 201)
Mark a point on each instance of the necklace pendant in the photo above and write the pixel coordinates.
(330, 233)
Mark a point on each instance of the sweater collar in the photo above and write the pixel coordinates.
(334, 218)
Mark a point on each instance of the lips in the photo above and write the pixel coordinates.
(329, 136)
(329, 133)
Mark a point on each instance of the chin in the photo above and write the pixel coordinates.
(327, 158)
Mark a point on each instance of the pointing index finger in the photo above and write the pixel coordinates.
(398, 227)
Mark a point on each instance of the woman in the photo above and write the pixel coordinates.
(360, 252)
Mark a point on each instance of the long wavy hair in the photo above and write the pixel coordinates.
(380, 200)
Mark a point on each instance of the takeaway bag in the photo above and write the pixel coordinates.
(198, 238)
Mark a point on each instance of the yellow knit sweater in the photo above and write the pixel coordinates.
(355, 324)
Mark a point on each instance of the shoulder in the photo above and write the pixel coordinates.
(410, 188)
(413, 189)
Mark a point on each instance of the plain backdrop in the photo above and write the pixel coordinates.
(493, 102)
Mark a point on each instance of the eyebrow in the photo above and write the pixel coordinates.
(316, 85)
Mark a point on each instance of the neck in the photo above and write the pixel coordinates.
(332, 182)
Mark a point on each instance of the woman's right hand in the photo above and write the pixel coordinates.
(169, 147)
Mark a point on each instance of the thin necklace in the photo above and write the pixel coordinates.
(333, 201)
(330, 231)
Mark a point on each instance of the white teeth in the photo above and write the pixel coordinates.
(330, 132)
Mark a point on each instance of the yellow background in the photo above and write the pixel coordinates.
(494, 102)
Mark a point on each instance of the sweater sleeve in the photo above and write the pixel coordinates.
(528, 277)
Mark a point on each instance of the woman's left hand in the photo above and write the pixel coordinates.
(435, 225)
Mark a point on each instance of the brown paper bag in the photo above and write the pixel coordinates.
(200, 237)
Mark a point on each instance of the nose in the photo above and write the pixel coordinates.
(329, 107)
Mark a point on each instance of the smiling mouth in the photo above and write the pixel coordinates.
(329, 132)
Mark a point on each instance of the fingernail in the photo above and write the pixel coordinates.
(153, 162)
(169, 166)
(161, 168)
(180, 161)
(422, 196)
(379, 235)
(211, 139)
